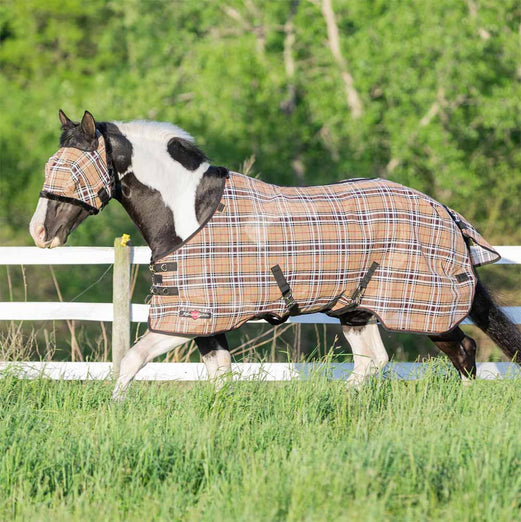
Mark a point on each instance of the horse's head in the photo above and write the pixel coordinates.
(77, 183)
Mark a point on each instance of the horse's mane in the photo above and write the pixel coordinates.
(153, 130)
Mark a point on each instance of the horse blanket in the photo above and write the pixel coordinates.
(270, 251)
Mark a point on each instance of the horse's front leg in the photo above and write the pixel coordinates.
(216, 357)
(369, 353)
(151, 345)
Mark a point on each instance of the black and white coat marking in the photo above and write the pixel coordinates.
(168, 187)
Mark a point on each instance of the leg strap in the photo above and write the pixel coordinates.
(285, 290)
(357, 294)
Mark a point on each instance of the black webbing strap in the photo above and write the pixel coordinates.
(164, 267)
(357, 294)
(72, 201)
(461, 225)
(103, 195)
(164, 290)
(285, 290)
(273, 320)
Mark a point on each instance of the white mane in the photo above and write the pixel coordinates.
(153, 166)
(153, 130)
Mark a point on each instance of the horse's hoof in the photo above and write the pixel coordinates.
(467, 381)
(355, 383)
(118, 396)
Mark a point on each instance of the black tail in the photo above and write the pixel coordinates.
(488, 316)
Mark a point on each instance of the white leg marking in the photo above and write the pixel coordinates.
(372, 334)
(151, 345)
(218, 364)
(369, 352)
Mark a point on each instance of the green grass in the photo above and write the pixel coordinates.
(429, 449)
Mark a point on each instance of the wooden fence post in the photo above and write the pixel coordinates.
(121, 303)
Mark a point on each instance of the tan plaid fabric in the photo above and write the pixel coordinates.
(324, 239)
(79, 175)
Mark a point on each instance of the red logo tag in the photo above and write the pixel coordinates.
(195, 314)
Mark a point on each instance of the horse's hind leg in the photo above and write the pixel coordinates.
(216, 357)
(151, 345)
(369, 353)
(461, 350)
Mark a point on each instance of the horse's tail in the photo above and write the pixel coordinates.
(487, 315)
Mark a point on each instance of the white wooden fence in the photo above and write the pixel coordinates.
(121, 313)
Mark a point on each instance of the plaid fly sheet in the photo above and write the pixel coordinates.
(79, 177)
(271, 252)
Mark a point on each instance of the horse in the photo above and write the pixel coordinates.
(172, 192)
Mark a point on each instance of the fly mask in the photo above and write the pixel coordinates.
(80, 177)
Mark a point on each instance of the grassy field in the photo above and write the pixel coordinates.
(429, 449)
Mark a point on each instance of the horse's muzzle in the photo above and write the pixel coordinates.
(38, 234)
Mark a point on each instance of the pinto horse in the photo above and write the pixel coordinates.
(171, 192)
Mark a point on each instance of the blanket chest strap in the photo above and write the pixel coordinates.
(164, 290)
(163, 267)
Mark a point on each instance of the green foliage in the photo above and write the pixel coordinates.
(439, 83)
(290, 451)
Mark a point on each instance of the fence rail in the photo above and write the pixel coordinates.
(510, 255)
(186, 372)
(122, 313)
(45, 311)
